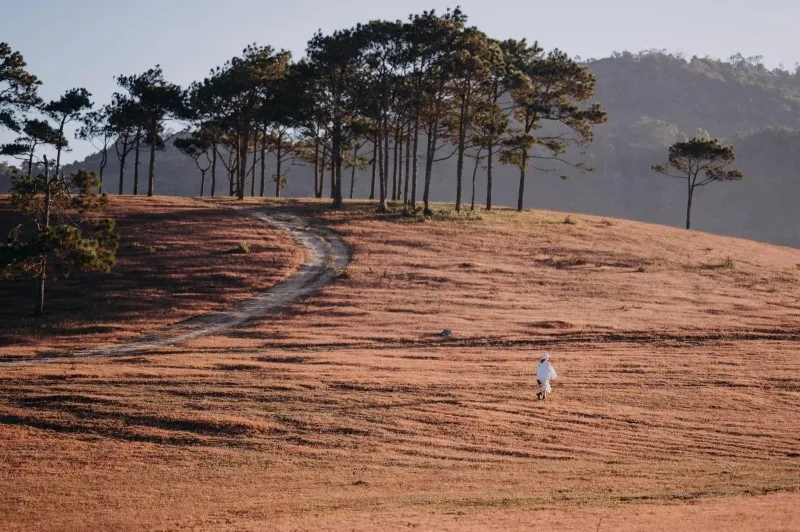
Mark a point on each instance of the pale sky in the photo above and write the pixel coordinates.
(85, 43)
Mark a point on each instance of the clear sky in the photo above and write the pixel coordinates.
(85, 43)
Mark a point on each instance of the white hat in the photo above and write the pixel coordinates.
(545, 357)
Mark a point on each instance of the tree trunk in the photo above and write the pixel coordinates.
(278, 167)
(122, 156)
(202, 182)
(253, 168)
(462, 133)
(395, 165)
(689, 208)
(151, 173)
(263, 160)
(59, 148)
(490, 155)
(382, 169)
(316, 164)
(374, 165)
(43, 262)
(30, 160)
(408, 168)
(323, 164)
(333, 175)
(385, 181)
(40, 289)
(432, 140)
(231, 170)
(353, 171)
(416, 166)
(474, 174)
(523, 166)
(213, 169)
(136, 163)
(103, 163)
(400, 143)
(243, 145)
(338, 202)
(121, 173)
(489, 160)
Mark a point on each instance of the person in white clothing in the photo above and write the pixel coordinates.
(544, 374)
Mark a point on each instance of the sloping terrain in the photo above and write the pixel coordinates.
(677, 400)
(177, 258)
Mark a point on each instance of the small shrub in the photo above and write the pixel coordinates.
(243, 248)
(606, 221)
(642, 268)
(453, 216)
(728, 264)
(569, 220)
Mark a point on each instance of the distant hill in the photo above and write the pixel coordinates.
(653, 99)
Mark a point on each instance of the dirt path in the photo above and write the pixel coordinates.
(325, 254)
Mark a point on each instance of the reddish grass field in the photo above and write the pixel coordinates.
(174, 262)
(676, 407)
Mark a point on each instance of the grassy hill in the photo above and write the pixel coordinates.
(678, 384)
(175, 261)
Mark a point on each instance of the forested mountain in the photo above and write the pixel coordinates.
(652, 99)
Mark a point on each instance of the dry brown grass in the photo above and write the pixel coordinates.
(177, 258)
(677, 402)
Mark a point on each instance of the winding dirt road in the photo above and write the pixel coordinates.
(325, 254)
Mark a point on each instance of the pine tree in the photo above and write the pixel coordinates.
(61, 232)
(700, 162)
(18, 88)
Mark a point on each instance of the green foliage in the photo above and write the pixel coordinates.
(242, 248)
(35, 133)
(71, 106)
(18, 87)
(62, 232)
(547, 89)
(700, 161)
(449, 215)
(140, 113)
(243, 103)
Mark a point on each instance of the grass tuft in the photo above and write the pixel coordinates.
(450, 215)
(243, 248)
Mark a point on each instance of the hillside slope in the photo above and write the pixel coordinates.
(177, 259)
(676, 399)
